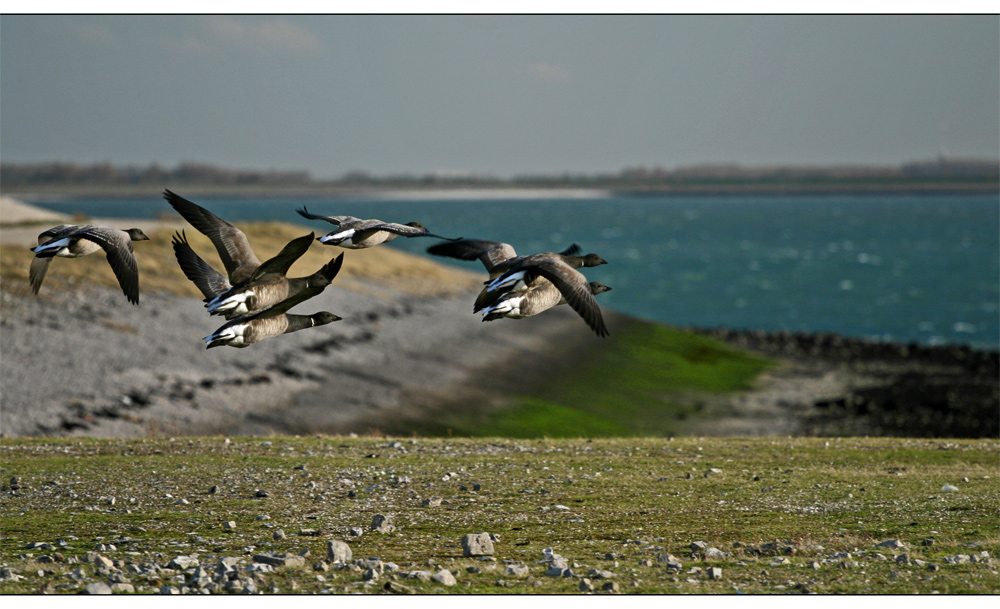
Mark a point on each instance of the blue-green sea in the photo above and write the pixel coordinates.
(919, 268)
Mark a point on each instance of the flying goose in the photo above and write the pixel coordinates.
(71, 241)
(534, 300)
(355, 233)
(247, 330)
(232, 245)
(522, 273)
(267, 285)
(500, 259)
(571, 284)
(253, 296)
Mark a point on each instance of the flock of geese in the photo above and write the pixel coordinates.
(255, 297)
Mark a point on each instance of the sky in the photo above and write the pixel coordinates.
(497, 95)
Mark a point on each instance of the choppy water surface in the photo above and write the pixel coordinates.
(918, 267)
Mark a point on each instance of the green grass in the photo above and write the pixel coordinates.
(629, 501)
(649, 382)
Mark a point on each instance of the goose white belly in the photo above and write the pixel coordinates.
(508, 307)
(69, 248)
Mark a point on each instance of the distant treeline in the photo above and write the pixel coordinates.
(973, 172)
(16, 174)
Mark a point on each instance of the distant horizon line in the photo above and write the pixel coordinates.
(706, 169)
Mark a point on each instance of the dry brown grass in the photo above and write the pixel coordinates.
(159, 272)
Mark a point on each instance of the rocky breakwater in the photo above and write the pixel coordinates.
(890, 389)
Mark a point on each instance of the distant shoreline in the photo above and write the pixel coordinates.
(501, 191)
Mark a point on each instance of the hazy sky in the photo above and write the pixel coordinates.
(501, 95)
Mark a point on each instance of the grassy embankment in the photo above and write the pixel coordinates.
(619, 505)
(646, 380)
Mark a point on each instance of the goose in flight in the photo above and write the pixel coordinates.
(499, 258)
(247, 330)
(262, 289)
(534, 300)
(355, 233)
(551, 274)
(72, 241)
(232, 245)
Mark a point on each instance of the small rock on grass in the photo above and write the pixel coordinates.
(477, 544)
(97, 588)
(892, 544)
(280, 560)
(714, 573)
(516, 570)
(338, 551)
(444, 577)
(382, 524)
(183, 562)
(393, 587)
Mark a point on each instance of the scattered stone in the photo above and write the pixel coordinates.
(600, 574)
(949, 488)
(382, 524)
(280, 560)
(958, 559)
(214, 489)
(431, 502)
(903, 559)
(357, 531)
(698, 547)
(714, 573)
(261, 494)
(779, 561)
(102, 561)
(927, 542)
(424, 576)
(122, 588)
(97, 588)
(892, 544)
(338, 551)
(444, 577)
(586, 585)
(229, 525)
(182, 563)
(610, 587)
(516, 570)
(169, 590)
(714, 554)
(933, 567)
(477, 544)
(278, 535)
(394, 587)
